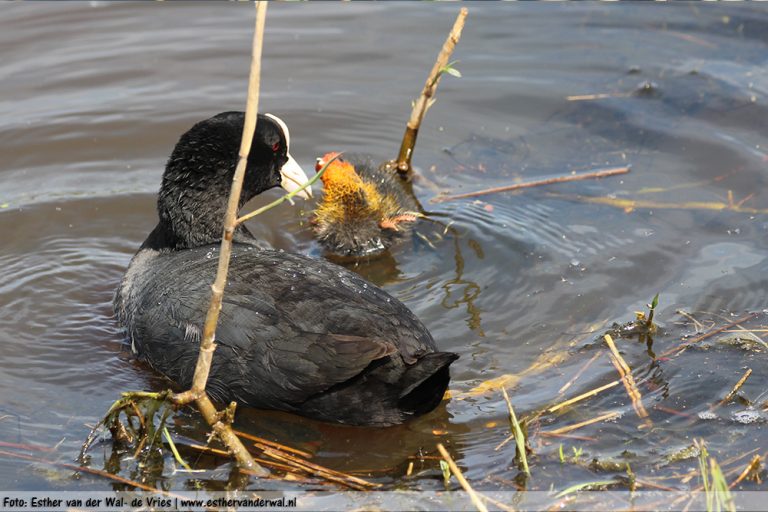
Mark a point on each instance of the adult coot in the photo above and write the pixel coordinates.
(364, 209)
(295, 334)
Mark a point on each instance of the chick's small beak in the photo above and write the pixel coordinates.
(293, 178)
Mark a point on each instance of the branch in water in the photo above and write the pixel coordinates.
(207, 346)
(530, 184)
(403, 161)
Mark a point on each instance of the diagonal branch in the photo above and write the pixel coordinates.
(403, 161)
(207, 346)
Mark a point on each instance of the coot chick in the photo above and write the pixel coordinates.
(295, 334)
(364, 209)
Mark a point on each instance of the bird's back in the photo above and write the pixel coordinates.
(294, 334)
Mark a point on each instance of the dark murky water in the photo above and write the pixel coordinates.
(94, 97)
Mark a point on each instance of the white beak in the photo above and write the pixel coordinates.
(293, 178)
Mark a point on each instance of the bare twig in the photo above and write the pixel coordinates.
(598, 96)
(630, 205)
(571, 428)
(230, 440)
(708, 334)
(736, 388)
(497, 503)
(538, 183)
(403, 162)
(589, 439)
(318, 470)
(479, 505)
(31, 447)
(207, 346)
(208, 449)
(696, 324)
(582, 396)
(138, 415)
(578, 374)
(752, 467)
(273, 444)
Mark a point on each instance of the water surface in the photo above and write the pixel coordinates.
(520, 284)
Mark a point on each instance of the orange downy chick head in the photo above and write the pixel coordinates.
(325, 158)
(340, 178)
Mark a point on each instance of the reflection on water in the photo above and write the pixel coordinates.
(95, 96)
(469, 290)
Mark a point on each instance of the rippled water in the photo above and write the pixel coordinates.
(95, 95)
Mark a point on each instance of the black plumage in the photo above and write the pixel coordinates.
(295, 334)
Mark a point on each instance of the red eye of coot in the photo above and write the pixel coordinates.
(275, 147)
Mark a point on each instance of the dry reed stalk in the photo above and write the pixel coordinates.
(736, 458)
(706, 335)
(425, 457)
(727, 462)
(629, 205)
(403, 162)
(479, 505)
(598, 96)
(574, 437)
(275, 465)
(497, 503)
(30, 447)
(207, 346)
(653, 485)
(208, 449)
(139, 415)
(583, 396)
(316, 469)
(669, 410)
(753, 465)
(578, 374)
(502, 444)
(735, 389)
(626, 378)
(576, 426)
(538, 183)
(273, 444)
(696, 324)
(701, 487)
(140, 447)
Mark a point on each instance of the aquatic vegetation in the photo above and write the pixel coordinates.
(718, 494)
